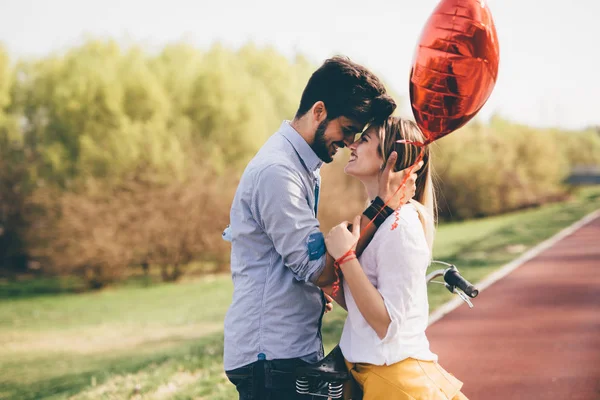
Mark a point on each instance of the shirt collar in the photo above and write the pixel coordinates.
(309, 158)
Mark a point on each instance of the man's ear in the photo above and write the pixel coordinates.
(319, 112)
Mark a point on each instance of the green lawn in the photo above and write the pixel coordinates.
(165, 341)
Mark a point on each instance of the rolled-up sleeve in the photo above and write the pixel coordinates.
(281, 207)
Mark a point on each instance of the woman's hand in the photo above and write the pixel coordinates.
(389, 182)
(339, 239)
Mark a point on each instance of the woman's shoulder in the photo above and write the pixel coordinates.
(402, 227)
(405, 216)
(401, 241)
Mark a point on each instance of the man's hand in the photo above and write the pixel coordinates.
(329, 303)
(389, 182)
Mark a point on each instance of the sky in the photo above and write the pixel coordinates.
(549, 50)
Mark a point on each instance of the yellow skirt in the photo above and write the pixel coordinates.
(408, 379)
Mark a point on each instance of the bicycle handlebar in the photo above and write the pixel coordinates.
(453, 278)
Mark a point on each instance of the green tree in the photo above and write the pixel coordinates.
(231, 112)
(15, 179)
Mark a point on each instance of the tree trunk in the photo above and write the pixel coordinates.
(176, 273)
(164, 273)
(146, 268)
(172, 275)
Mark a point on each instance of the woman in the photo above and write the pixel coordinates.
(385, 290)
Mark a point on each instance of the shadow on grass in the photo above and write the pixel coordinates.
(30, 287)
(34, 287)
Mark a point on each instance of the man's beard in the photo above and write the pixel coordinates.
(319, 145)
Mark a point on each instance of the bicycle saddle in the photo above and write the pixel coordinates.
(332, 367)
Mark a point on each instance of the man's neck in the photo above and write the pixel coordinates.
(301, 126)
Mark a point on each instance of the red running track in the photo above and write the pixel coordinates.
(534, 334)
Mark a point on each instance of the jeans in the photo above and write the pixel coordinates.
(267, 380)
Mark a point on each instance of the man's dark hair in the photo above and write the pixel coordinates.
(347, 89)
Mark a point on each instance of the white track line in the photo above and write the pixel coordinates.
(508, 268)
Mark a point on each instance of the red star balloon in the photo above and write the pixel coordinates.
(454, 68)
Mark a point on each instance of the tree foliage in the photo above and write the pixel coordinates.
(113, 156)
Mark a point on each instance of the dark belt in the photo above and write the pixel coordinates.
(274, 373)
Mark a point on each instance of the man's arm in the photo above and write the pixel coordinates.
(279, 205)
(338, 296)
(327, 276)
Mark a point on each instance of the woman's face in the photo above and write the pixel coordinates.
(365, 160)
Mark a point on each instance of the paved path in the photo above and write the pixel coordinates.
(535, 334)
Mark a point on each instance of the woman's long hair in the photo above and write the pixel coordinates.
(392, 130)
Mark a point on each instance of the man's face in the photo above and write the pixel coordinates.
(334, 134)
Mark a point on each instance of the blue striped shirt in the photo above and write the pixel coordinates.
(277, 251)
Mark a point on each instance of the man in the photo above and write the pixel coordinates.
(278, 256)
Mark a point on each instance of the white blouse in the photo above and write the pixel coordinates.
(396, 263)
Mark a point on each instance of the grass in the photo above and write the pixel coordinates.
(62, 346)
(165, 341)
(26, 286)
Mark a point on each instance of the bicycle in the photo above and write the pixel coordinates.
(327, 377)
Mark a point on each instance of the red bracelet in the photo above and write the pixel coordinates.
(347, 259)
(350, 255)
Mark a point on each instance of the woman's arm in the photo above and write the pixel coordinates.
(400, 259)
(367, 297)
